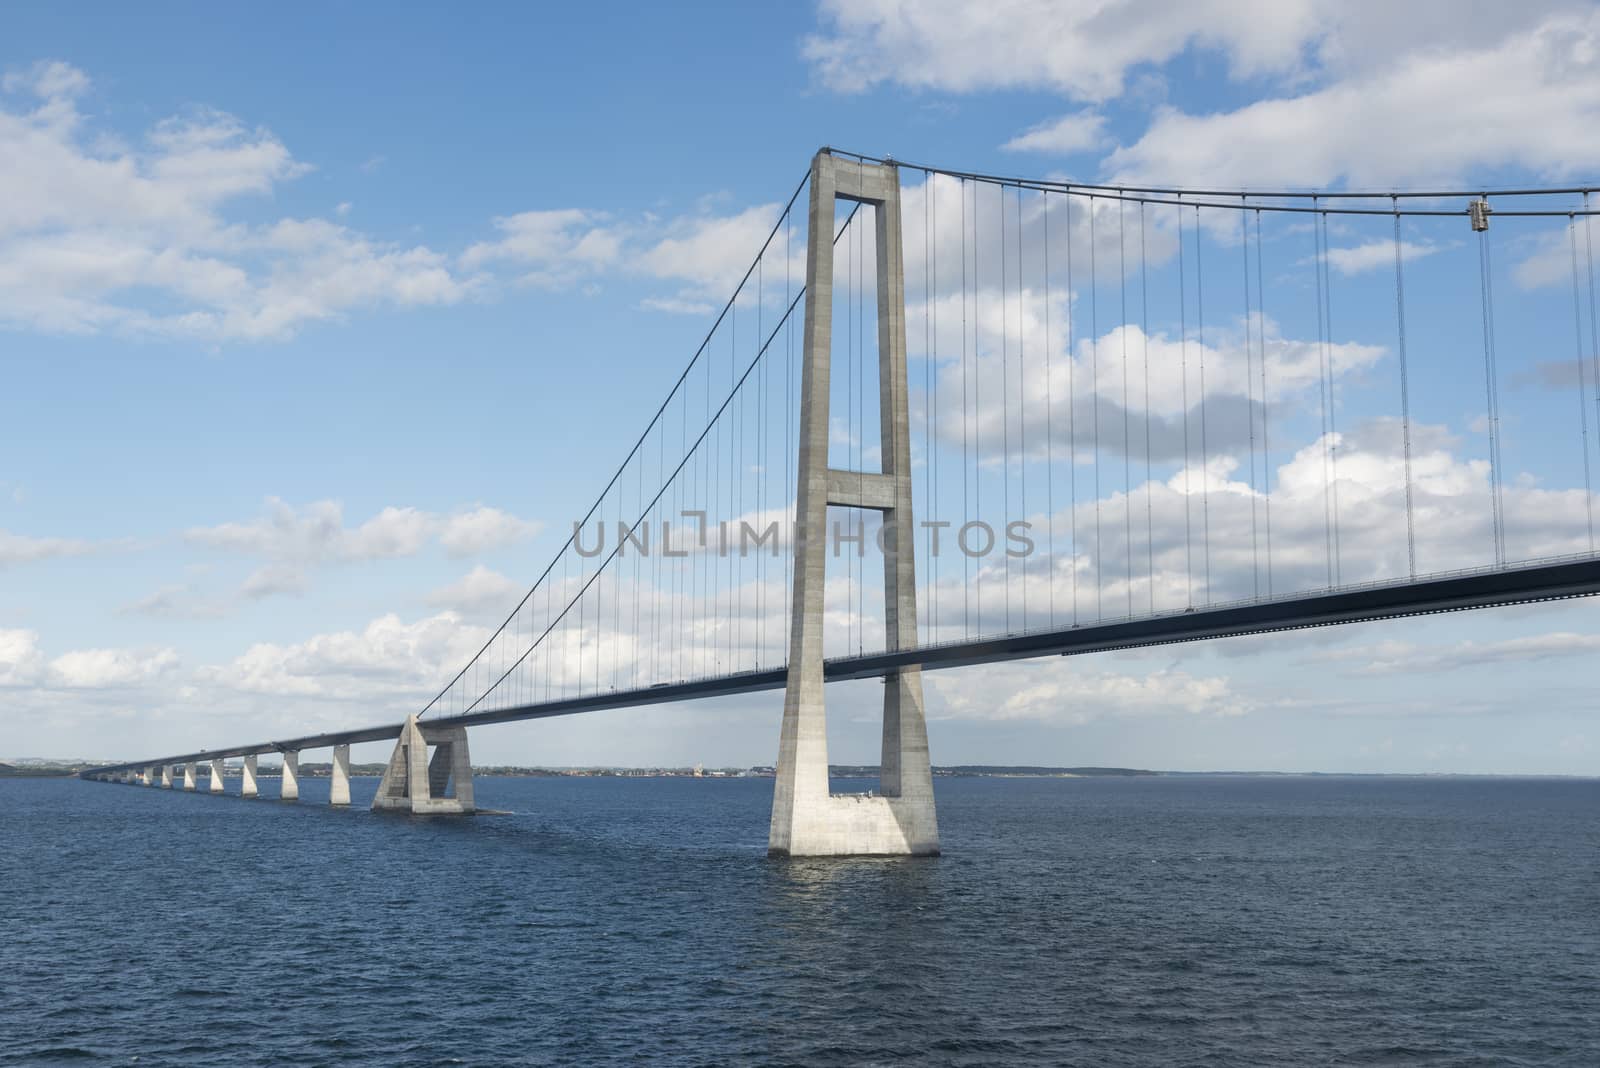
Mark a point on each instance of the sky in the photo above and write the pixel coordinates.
(317, 330)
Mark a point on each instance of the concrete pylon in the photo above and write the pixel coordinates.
(806, 819)
(216, 776)
(247, 785)
(412, 783)
(147, 777)
(290, 788)
(166, 776)
(339, 784)
(188, 776)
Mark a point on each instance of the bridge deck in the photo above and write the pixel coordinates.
(1544, 581)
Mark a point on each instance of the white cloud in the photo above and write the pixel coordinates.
(1080, 49)
(317, 534)
(1399, 657)
(22, 549)
(106, 668)
(480, 592)
(711, 253)
(387, 660)
(89, 225)
(177, 601)
(21, 662)
(272, 580)
(1064, 136)
(484, 529)
(1065, 692)
(47, 79)
(1435, 114)
(551, 248)
(1372, 255)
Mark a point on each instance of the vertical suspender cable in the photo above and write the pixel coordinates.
(1266, 446)
(788, 425)
(932, 402)
(1333, 411)
(1322, 393)
(1491, 390)
(1205, 447)
(1183, 333)
(1594, 320)
(966, 511)
(1094, 381)
(1583, 386)
(1049, 413)
(1405, 391)
(861, 414)
(1072, 412)
(1127, 460)
(977, 404)
(1249, 391)
(927, 394)
(1005, 399)
(1149, 475)
(1022, 405)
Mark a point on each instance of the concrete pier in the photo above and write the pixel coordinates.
(166, 776)
(216, 776)
(147, 777)
(188, 776)
(806, 819)
(339, 787)
(412, 783)
(290, 788)
(247, 785)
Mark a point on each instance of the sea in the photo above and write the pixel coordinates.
(1166, 920)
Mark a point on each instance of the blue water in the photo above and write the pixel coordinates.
(1171, 921)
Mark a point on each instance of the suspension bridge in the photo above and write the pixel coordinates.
(949, 419)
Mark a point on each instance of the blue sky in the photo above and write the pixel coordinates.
(318, 328)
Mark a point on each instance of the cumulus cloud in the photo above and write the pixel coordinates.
(317, 533)
(484, 529)
(273, 580)
(106, 668)
(1070, 133)
(387, 659)
(1401, 657)
(1061, 692)
(1368, 94)
(550, 248)
(89, 225)
(176, 601)
(21, 662)
(22, 549)
(1401, 121)
(1084, 51)
(705, 253)
(480, 592)
(1373, 255)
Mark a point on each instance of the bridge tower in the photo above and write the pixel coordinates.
(806, 819)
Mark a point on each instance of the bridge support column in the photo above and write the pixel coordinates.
(166, 776)
(216, 776)
(188, 776)
(247, 786)
(290, 788)
(147, 777)
(412, 783)
(806, 819)
(339, 787)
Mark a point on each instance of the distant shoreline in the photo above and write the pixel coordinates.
(41, 769)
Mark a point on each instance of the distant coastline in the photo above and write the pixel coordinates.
(35, 768)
